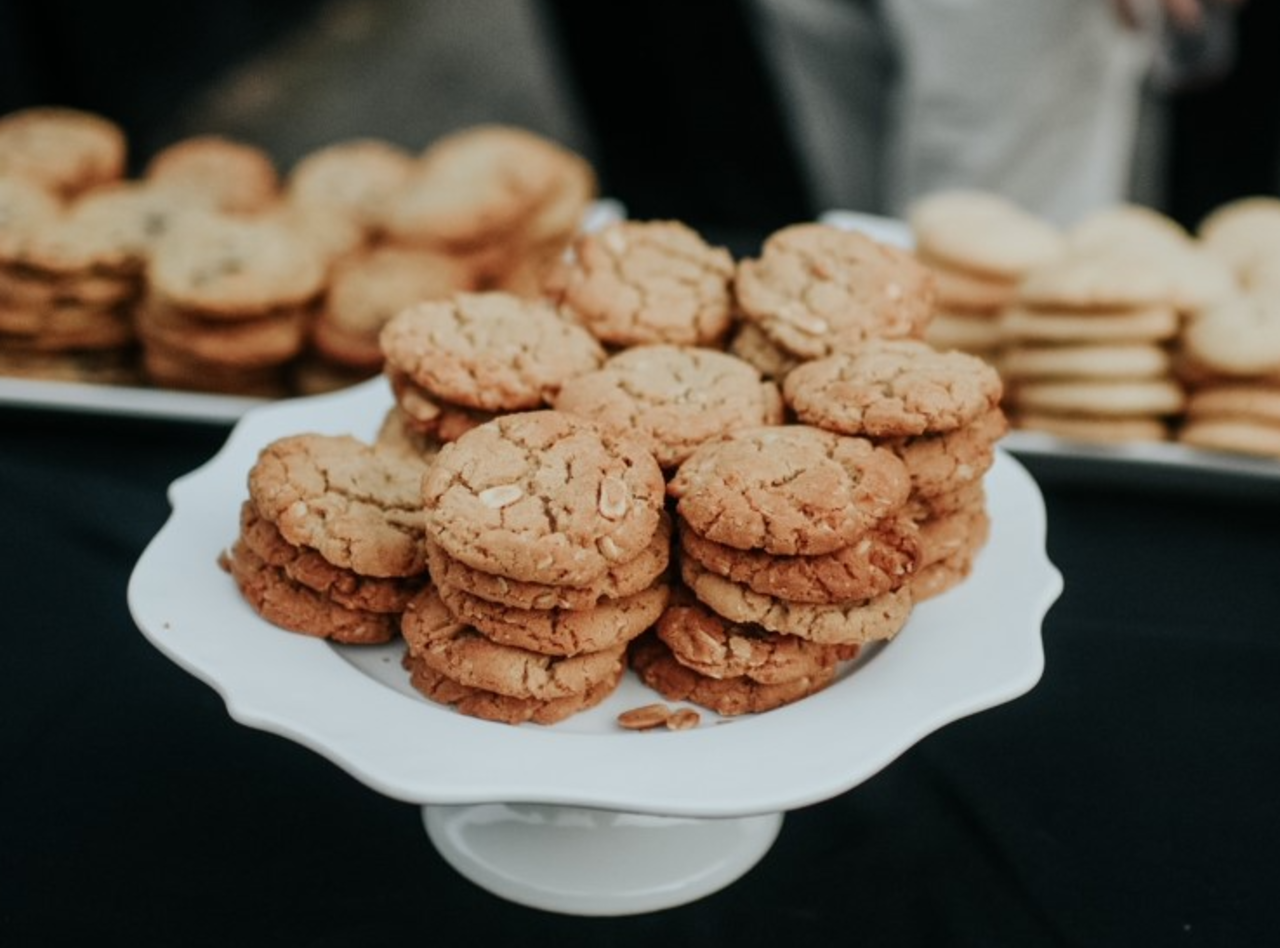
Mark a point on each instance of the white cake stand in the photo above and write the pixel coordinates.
(584, 817)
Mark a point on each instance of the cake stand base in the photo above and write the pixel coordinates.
(581, 861)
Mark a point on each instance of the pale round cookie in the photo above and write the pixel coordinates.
(943, 537)
(234, 267)
(608, 623)
(968, 291)
(855, 622)
(750, 344)
(369, 288)
(1233, 435)
(493, 351)
(713, 646)
(306, 566)
(358, 508)
(942, 575)
(788, 489)
(672, 398)
(816, 289)
(637, 282)
(1095, 429)
(395, 436)
(1140, 324)
(892, 388)
(1239, 232)
(1256, 400)
(356, 176)
(880, 560)
(618, 582)
(221, 173)
(298, 608)
(271, 339)
(1134, 360)
(976, 333)
(1095, 280)
(453, 648)
(658, 668)
(65, 150)
(25, 207)
(503, 709)
(1105, 397)
(1120, 227)
(982, 231)
(543, 496)
(1238, 337)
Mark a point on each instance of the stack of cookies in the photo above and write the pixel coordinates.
(548, 546)
(1087, 348)
(643, 282)
(331, 538)
(979, 246)
(501, 200)
(1229, 361)
(939, 413)
(794, 550)
(230, 304)
(458, 362)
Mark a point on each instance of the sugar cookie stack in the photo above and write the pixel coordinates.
(457, 362)
(230, 304)
(794, 551)
(1087, 348)
(548, 545)
(330, 541)
(939, 412)
(979, 246)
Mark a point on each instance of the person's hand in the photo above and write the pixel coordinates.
(1183, 14)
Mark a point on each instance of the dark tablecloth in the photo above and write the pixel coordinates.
(1129, 799)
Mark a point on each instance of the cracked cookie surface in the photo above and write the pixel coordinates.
(358, 507)
(637, 282)
(816, 289)
(492, 351)
(543, 496)
(673, 398)
(892, 388)
(787, 489)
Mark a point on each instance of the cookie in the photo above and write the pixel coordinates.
(367, 289)
(1240, 231)
(356, 176)
(659, 669)
(880, 560)
(1138, 324)
(787, 489)
(217, 172)
(710, 645)
(892, 388)
(606, 624)
(853, 622)
(945, 462)
(234, 267)
(25, 207)
(1234, 435)
(1135, 360)
(816, 289)
(454, 649)
(750, 344)
(297, 608)
(1123, 226)
(359, 508)
(543, 496)
(638, 282)
(504, 709)
(943, 537)
(1240, 337)
(968, 291)
(619, 581)
(1102, 397)
(269, 340)
(982, 232)
(64, 150)
(976, 333)
(306, 566)
(402, 442)
(672, 398)
(170, 368)
(492, 351)
(62, 327)
(1096, 281)
(1095, 429)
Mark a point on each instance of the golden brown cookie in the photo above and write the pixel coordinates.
(854, 622)
(816, 289)
(297, 608)
(659, 669)
(892, 388)
(359, 508)
(217, 172)
(940, 464)
(543, 496)
(67, 151)
(267, 340)
(637, 282)
(672, 398)
(356, 176)
(982, 232)
(880, 560)
(788, 489)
